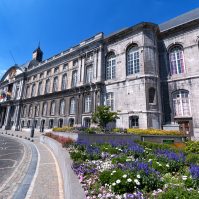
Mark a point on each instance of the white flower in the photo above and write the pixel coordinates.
(184, 177)
(114, 184)
(124, 176)
(128, 160)
(149, 160)
(167, 165)
(118, 181)
(138, 176)
(114, 171)
(137, 182)
(129, 180)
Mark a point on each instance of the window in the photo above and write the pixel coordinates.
(89, 56)
(64, 82)
(40, 88)
(75, 62)
(22, 124)
(28, 124)
(176, 59)
(41, 75)
(181, 103)
(51, 123)
(56, 70)
(48, 73)
(133, 60)
(152, 96)
(71, 122)
(62, 107)
(134, 122)
(110, 66)
(89, 74)
(37, 110)
(17, 93)
(55, 84)
(47, 88)
(65, 67)
(60, 123)
(44, 112)
(30, 111)
(87, 122)
(24, 111)
(52, 109)
(87, 104)
(72, 106)
(34, 77)
(74, 79)
(110, 100)
(27, 91)
(33, 90)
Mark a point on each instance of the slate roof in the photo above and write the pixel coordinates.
(180, 20)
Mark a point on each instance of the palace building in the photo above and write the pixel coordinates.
(149, 73)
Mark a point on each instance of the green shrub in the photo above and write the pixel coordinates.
(63, 129)
(192, 146)
(192, 158)
(153, 132)
(179, 192)
(78, 156)
(105, 177)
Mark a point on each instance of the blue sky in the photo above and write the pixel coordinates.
(61, 24)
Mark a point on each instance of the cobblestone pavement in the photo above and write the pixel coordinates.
(12, 171)
(45, 184)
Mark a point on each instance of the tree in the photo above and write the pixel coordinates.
(103, 116)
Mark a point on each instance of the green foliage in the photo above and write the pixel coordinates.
(153, 132)
(78, 156)
(103, 116)
(192, 146)
(93, 130)
(179, 192)
(105, 177)
(63, 129)
(192, 158)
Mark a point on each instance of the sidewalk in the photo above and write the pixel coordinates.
(47, 180)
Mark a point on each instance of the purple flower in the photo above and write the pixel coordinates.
(194, 170)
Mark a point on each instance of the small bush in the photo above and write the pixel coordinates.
(63, 129)
(192, 158)
(192, 146)
(153, 132)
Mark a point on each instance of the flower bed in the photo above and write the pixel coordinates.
(128, 169)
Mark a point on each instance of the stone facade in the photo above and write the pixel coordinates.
(141, 72)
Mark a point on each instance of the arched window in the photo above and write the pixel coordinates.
(51, 123)
(47, 88)
(52, 108)
(133, 60)
(110, 66)
(30, 111)
(152, 96)
(71, 122)
(181, 103)
(62, 107)
(55, 84)
(176, 58)
(72, 106)
(60, 123)
(44, 112)
(64, 82)
(87, 104)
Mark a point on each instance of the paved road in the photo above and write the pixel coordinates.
(11, 153)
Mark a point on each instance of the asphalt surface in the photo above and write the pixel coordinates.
(11, 153)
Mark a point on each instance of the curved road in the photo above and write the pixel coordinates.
(11, 153)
